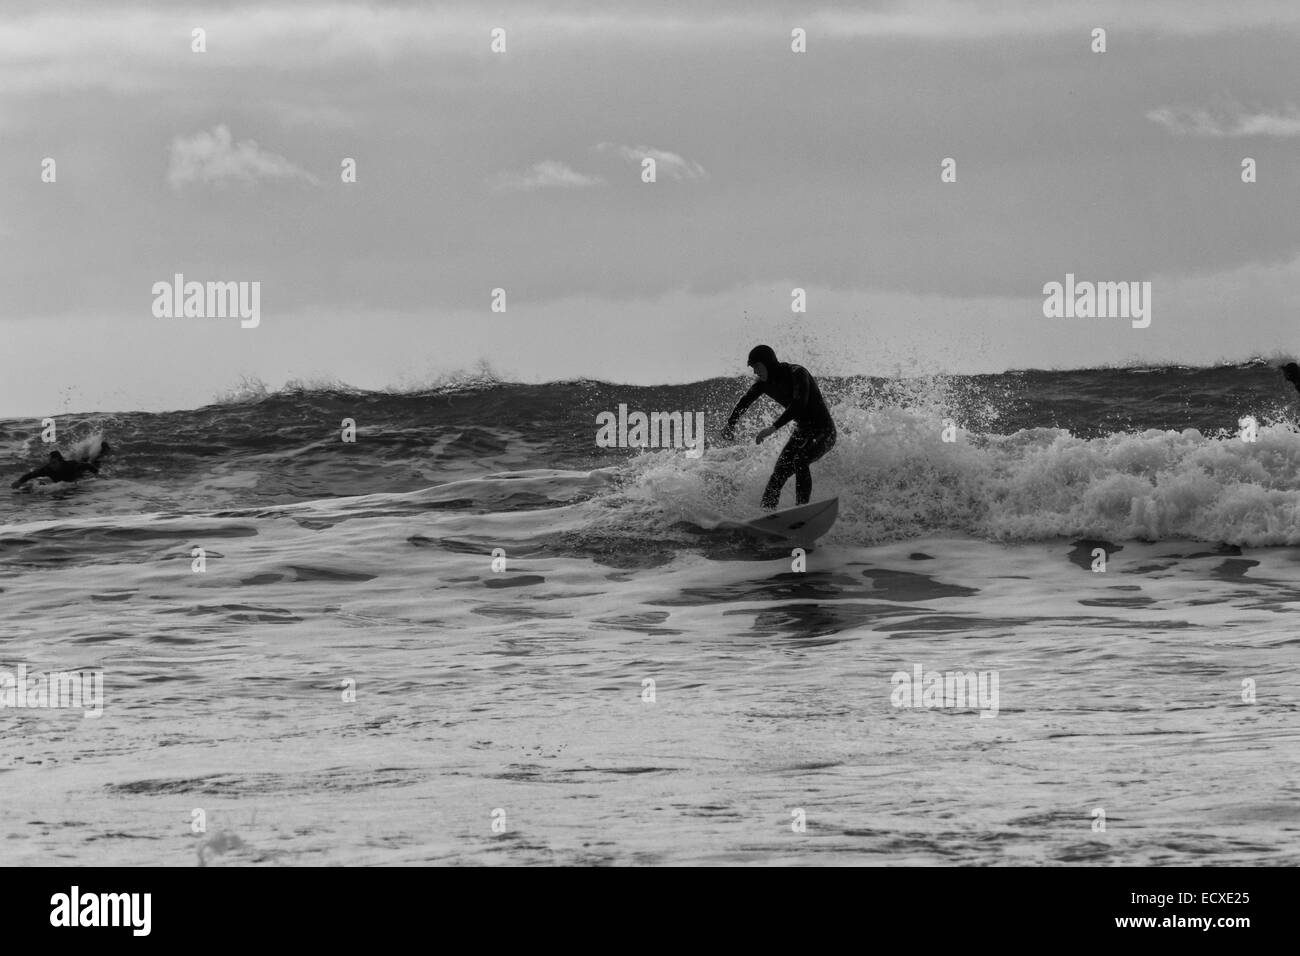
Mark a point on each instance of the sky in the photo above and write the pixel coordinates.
(522, 170)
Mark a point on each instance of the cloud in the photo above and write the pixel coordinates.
(947, 19)
(124, 46)
(669, 164)
(215, 157)
(547, 174)
(1204, 123)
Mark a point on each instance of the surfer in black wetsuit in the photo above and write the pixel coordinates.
(814, 432)
(59, 468)
(1291, 372)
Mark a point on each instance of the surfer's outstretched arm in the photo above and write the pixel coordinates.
(749, 398)
(41, 472)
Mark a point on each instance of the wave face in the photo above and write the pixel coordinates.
(1139, 453)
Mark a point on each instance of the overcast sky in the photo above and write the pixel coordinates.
(522, 170)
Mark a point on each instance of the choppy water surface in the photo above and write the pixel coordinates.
(519, 695)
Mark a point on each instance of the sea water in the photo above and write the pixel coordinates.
(471, 636)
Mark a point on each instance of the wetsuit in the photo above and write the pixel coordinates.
(58, 469)
(792, 387)
(1291, 372)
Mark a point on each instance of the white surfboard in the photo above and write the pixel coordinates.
(802, 525)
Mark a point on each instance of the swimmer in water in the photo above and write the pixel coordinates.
(1291, 372)
(58, 468)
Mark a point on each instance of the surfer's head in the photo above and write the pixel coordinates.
(1291, 371)
(56, 457)
(763, 361)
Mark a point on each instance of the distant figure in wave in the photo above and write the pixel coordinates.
(58, 468)
(1291, 372)
(792, 387)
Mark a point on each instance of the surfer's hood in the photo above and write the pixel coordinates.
(764, 354)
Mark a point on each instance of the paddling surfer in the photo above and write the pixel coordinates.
(58, 468)
(1291, 372)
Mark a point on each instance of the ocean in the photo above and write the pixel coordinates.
(1052, 625)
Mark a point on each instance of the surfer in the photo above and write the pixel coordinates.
(793, 388)
(58, 468)
(1291, 372)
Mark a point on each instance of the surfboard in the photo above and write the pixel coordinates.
(803, 524)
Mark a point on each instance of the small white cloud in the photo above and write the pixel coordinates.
(214, 157)
(1205, 123)
(669, 164)
(548, 174)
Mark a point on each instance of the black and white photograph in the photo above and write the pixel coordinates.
(650, 434)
